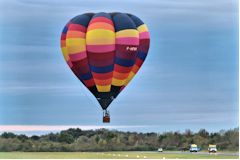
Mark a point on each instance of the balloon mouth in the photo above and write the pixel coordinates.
(105, 102)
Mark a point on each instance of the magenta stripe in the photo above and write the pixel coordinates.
(144, 35)
(128, 41)
(69, 63)
(78, 56)
(101, 48)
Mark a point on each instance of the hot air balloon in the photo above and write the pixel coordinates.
(105, 51)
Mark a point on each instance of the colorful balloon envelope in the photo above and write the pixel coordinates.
(105, 51)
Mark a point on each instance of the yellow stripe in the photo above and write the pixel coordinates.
(76, 49)
(103, 88)
(75, 45)
(65, 53)
(75, 41)
(118, 82)
(130, 77)
(127, 33)
(96, 41)
(99, 34)
(142, 28)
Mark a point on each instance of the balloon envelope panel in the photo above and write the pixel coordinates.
(105, 51)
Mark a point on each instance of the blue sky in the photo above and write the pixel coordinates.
(189, 79)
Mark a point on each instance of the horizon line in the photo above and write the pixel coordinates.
(49, 128)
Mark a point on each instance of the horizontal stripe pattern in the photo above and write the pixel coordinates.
(78, 56)
(73, 43)
(105, 51)
(101, 48)
(142, 52)
(124, 62)
(100, 41)
(63, 45)
(127, 33)
(102, 25)
(103, 69)
(76, 34)
(127, 42)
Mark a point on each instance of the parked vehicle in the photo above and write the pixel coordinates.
(193, 148)
(160, 149)
(212, 148)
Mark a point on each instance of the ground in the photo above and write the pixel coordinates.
(118, 155)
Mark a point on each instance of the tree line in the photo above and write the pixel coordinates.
(72, 140)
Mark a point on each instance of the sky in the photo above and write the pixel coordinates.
(188, 81)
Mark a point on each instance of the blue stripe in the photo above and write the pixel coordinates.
(82, 19)
(124, 62)
(142, 55)
(104, 69)
(123, 21)
(86, 76)
(136, 20)
(102, 14)
(65, 29)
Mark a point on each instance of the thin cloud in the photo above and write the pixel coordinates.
(40, 128)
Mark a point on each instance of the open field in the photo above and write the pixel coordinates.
(117, 155)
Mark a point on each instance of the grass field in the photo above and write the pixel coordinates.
(114, 155)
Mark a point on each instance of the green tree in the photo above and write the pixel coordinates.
(8, 135)
(65, 137)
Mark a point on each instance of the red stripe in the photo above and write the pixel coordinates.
(80, 67)
(101, 63)
(101, 19)
(81, 63)
(126, 55)
(139, 62)
(135, 69)
(102, 56)
(101, 48)
(102, 75)
(78, 56)
(144, 45)
(63, 36)
(144, 41)
(77, 27)
(122, 69)
(78, 71)
(103, 82)
(89, 83)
